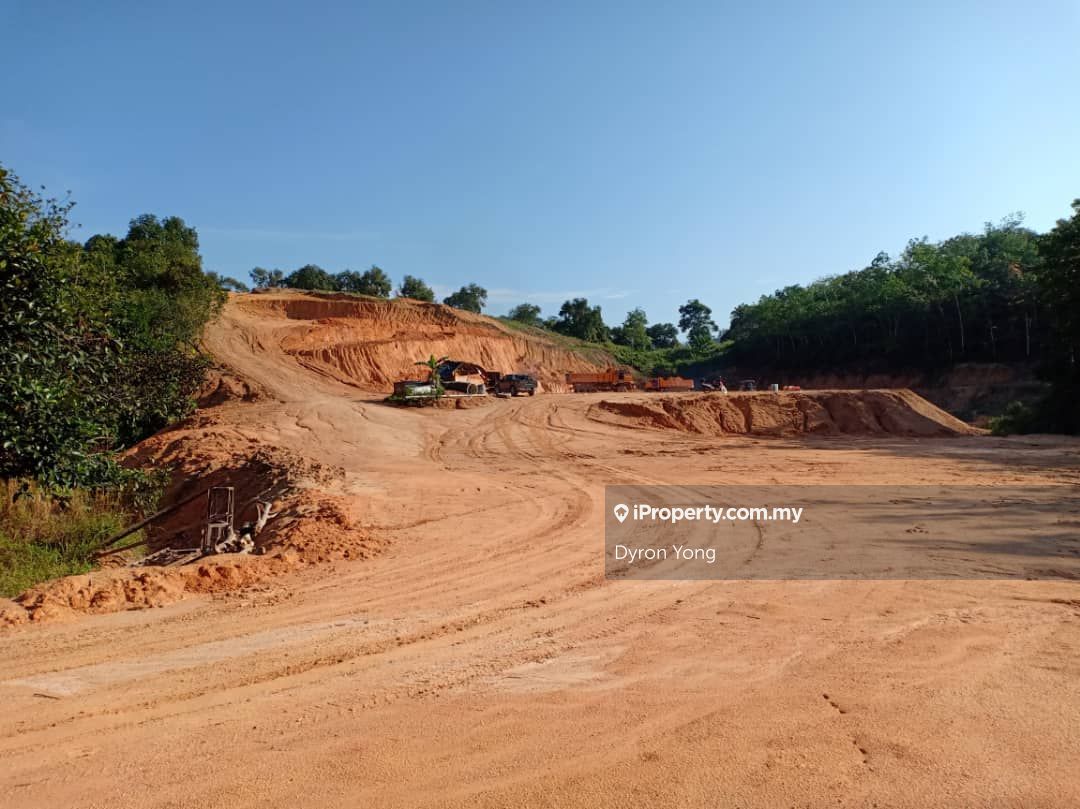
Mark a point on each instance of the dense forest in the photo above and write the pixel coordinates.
(971, 297)
(1007, 294)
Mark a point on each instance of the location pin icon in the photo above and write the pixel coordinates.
(621, 511)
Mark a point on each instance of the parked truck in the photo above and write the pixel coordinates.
(512, 384)
(662, 383)
(613, 379)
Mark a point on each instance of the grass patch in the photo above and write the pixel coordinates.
(678, 361)
(44, 535)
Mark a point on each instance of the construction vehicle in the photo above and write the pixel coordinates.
(662, 383)
(613, 379)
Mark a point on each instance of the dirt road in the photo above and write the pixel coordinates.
(482, 660)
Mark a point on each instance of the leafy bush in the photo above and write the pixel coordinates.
(97, 342)
(1017, 418)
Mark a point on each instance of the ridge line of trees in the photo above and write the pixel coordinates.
(373, 282)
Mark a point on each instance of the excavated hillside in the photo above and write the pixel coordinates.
(371, 343)
(840, 412)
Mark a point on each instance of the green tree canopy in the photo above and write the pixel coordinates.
(263, 278)
(97, 341)
(313, 277)
(695, 319)
(373, 282)
(663, 335)
(415, 288)
(1059, 282)
(470, 297)
(634, 331)
(694, 314)
(578, 319)
(225, 282)
(528, 313)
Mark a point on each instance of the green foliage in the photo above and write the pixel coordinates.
(314, 277)
(663, 335)
(695, 315)
(680, 360)
(1059, 283)
(265, 279)
(470, 297)
(695, 318)
(528, 313)
(373, 282)
(43, 536)
(96, 342)
(1017, 418)
(700, 341)
(578, 319)
(227, 283)
(969, 298)
(433, 364)
(633, 332)
(415, 288)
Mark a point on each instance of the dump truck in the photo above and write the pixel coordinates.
(662, 383)
(609, 380)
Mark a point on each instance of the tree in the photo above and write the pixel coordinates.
(527, 313)
(1059, 281)
(260, 277)
(633, 331)
(578, 319)
(225, 282)
(471, 298)
(96, 341)
(374, 282)
(48, 412)
(347, 281)
(163, 300)
(695, 319)
(263, 278)
(415, 288)
(312, 276)
(663, 335)
(160, 253)
(433, 364)
(693, 314)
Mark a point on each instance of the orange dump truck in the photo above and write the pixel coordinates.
(669, 383)
(611, 379)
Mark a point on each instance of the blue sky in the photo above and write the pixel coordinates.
(638, 154)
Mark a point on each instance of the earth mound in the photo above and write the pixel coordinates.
(371, 343)
(787, 413)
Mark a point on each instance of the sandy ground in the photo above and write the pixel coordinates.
(481, 659)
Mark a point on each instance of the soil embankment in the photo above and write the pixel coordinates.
(841, 412)
(370, 343)
(971, 391)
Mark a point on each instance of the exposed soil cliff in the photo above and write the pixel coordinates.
(372, 343)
